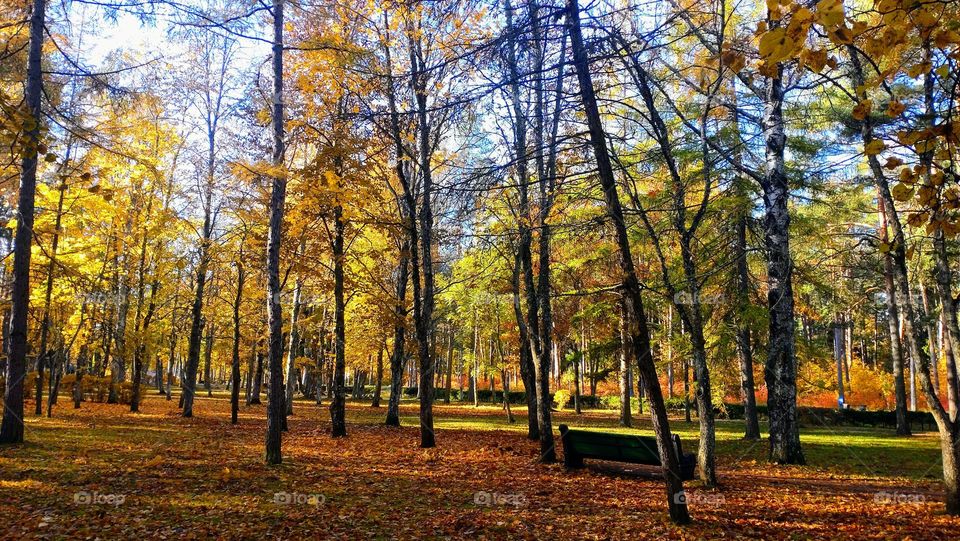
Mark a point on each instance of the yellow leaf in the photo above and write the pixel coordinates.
(773, 9)
(907, 176)
(945, 38)
(927, 195)
(814, 59)
(733, 60)
(895, 108)
(830, 12)
(902, 192)
(874, 147)
(862, 109)
(776, 46)
(841, 35)
(924, 19)
(918, 69)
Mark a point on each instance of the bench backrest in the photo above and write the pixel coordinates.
(619, 447)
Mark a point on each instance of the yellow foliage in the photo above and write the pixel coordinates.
(895, 108)
(862, 109)
(776, 46)
(902, 192)
(874, 147)
(830, 12)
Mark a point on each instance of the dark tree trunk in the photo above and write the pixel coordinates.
(11, 428)
(423, 310)
(892, 260)
(408, 252)
(207, 352)
(189, 384)
(742, 295)
(338, 421)
(625, 349)
(294, 343)
(398, 356)
(640, 337)
(446, 395)
(140, 356)
(78, 381)
(539, 353)
(45, 318)
(257, 376)
(526, 360)
(235, 353)
(378, 386)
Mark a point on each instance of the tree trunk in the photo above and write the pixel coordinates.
(277, 198)
(640, 337)
(893, 263)
(257, 376)
(294, 341)
(378, 387)
(742, 334)
(398, 356)
(526, 362)
(45, 318)
(446, 395)
(781, 365)
(625, 348)
(838, 353)
(11, 428)
(338, 421)
(207, 352)
(235, 353)
(423, 314)
(78, 381)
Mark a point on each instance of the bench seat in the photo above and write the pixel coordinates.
(633, 449)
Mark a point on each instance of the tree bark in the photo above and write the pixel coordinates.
(446, 395)
(45, 318)
(294, 341)
(781, 366)
(378, 388)
(338, 421)
(398, 356)
(277, 198)
(235, 353)
(625, 348)
(11, 428)
(640, 336)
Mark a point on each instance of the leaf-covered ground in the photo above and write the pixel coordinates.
(156, 475)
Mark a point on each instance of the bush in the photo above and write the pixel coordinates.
(562, 398)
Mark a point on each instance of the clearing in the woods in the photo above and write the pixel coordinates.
(102, 472)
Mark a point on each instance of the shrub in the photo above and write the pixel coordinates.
(561, 398)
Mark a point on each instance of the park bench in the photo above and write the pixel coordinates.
(581, 444)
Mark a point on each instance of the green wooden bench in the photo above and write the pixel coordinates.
(581, 444)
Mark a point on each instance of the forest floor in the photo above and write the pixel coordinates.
(102, 472)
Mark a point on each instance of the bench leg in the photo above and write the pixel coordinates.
(572, 460)
(570, 457)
